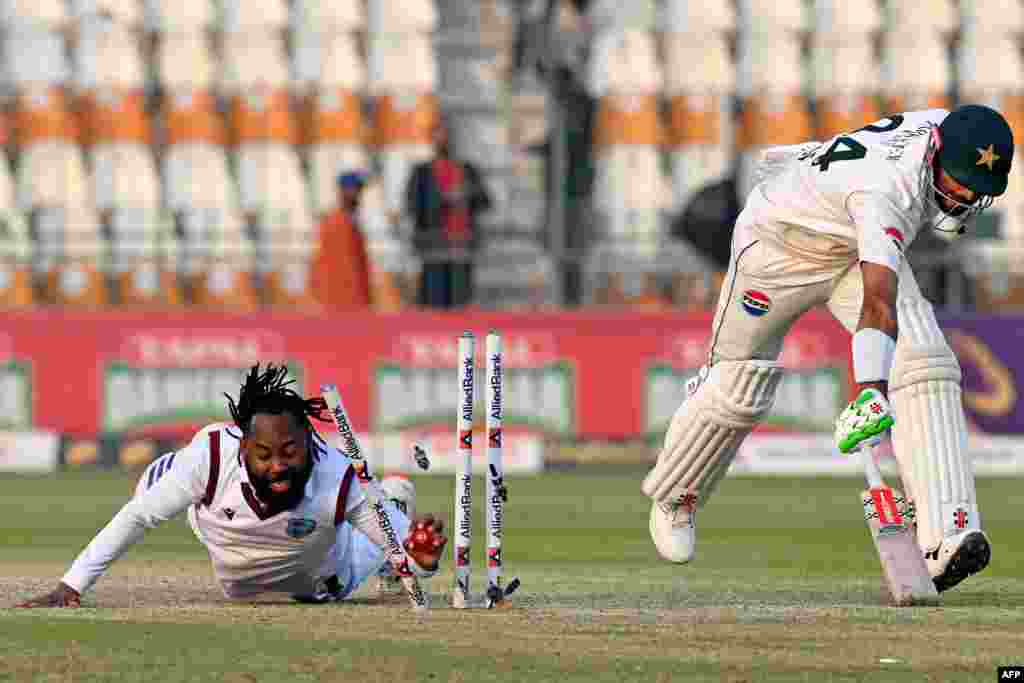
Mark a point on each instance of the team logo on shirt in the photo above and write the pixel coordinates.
(300, 527)
(756, 303)
(896, 236)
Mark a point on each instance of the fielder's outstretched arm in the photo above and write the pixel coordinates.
(182, 484)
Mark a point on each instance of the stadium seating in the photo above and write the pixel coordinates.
(16, 288)
(149, 139)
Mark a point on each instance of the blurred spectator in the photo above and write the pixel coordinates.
(444, 197)
(341, 268)
(707, 221)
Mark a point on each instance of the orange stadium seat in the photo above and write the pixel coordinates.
(627, 120)
(336, 117)
(115, 115)
(44, 114)
(192, 116)
(73, 258)
(222, 276)
(263, 114)
(53, 187)
(404, 119)
(774, 119)
(695, 119)
(846, 78)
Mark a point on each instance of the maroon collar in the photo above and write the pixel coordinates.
(259, 507)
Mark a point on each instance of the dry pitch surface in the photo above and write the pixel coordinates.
(785, 588)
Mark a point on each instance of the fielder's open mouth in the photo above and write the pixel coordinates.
(281, 486)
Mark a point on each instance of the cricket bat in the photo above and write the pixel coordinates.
(886, 514)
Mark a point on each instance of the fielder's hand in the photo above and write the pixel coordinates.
(426, 541)
(62, 596)
(863, 422)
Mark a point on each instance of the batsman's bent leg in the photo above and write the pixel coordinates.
(701, 443)
(930, 444)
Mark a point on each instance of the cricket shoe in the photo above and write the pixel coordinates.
(673, 528)
(957, 557)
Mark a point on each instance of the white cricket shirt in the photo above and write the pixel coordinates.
(855, 197)
(251, 553)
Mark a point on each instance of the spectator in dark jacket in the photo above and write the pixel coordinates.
(444, 196)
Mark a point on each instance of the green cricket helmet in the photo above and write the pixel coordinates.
(976, 149)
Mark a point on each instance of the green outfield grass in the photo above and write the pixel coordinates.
(785, 587)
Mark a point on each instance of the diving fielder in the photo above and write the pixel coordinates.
(277, 508)
(828, 223)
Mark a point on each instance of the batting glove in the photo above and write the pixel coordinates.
(863, 422)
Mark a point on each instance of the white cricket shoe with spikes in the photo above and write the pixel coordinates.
(957, 557)
(673, 528)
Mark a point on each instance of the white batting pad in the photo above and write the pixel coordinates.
(709, 427)
(930, 434)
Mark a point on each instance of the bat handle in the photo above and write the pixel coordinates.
(867, 457)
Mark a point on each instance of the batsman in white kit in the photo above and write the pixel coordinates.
(277, 508)
(827, 224)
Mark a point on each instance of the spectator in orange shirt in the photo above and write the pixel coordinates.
(341, 268)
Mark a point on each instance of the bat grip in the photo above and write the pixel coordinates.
(874, 476)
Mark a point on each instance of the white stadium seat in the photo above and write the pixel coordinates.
(616, 15)
(630, 177)
(992, 16)
(988, 62)
(398, 63)
(769, 63)
(687, 16)
(107, 55)
(623, 62)
(196, 175)
(694, 166)
(328, 60)
(921, 16)
(184, 62)
(269, 175)
(842, 68)
(241, 16)
(914, 63)
(400, 16)
(770, 16)
(124, 175)
(179, 16)
(52, 174)
(846, 21)
(328, 16)
(38, 15)
(250, 61)
(697, 64)
(34, 57)
(127, 13)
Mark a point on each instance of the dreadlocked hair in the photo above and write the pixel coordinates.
(268, 392)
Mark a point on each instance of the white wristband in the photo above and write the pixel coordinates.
(872, 355)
